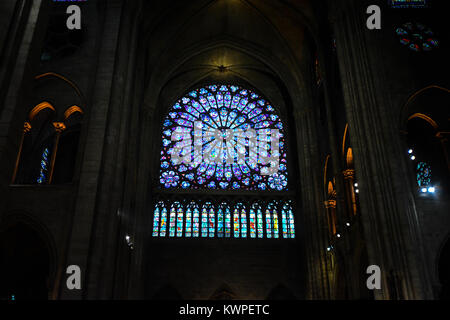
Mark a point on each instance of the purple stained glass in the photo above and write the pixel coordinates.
(417, 37)
(218, 109)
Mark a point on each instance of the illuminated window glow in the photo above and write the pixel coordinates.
(225, 220)
(219, 108)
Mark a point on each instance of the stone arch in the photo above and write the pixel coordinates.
(28, 258)
(428, 104)
(223, 292)
(53, 122)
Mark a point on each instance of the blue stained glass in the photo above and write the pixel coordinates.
(291, 224)
(284, 223)
(204, 221)
(288, 226)
(173, 216)
(188, 231)
(223, 185)
(180, 216)
(268, 224)
(221, 107)
(212, 185)
(163, 229)
(275, 223)
(260, 221)
(236, 224)
(423, 174)
(220, 223)
(252, 223)
(44, 166)
(243, 220)
(196, 223)
(417, 37)
(156, 221)
(212, 220)
(227, 222)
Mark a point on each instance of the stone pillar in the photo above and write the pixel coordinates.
(26, 129)
(349, 180)
(312, 213)
(443, 138)
(59, 128)
(390, 219)
(14, 67)
(330, 206)
(89, 211)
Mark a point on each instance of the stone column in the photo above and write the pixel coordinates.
(26, 129)
(390, 219)
(443, 138)
(89, 213)
(312, 213)
(349, 180)
(13, 68)
(59, 127)
(330, 206)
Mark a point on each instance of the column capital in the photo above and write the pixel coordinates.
(330, 204)
(443, 135)
(26, 127)
(59, 126)
(349, 174)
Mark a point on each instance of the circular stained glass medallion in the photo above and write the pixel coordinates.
(417, 37)
(219, 121)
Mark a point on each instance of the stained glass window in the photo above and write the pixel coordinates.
(223, 137)
(259, 217)
(180, 215)
(196, 220)
(241, 209)
(273, 210)
(423, 175)
(173, 216)
(212, 221)
(226, 208)
(220, 222)
(417, 37)
(238, 221)
(188, 231)
(272, 220)
(209, 139)
(162, 232)
(287, 207)
(268, 224)
(284, 222)
(408, 3)
(252, 222)
(205, 220)
(44, 166)
(156, 218)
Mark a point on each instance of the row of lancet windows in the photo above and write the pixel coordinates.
(206, 220)
(47, 147)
